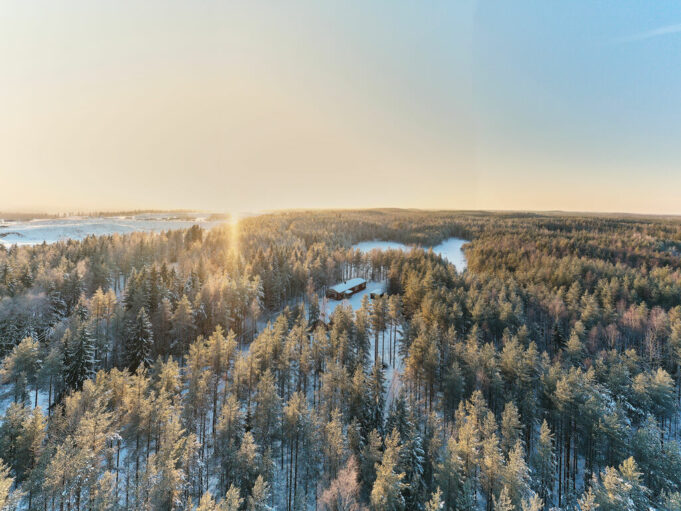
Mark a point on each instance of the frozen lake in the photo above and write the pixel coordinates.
(33, 232)
(450, 249)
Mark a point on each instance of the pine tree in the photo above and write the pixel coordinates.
(248, 463)
(259, 496)
(11, 428)
(449, 473)
(544, 463)
(9, 499)
(229, 432)
(621, 488)
(162, 328)
(587, 501)
(169, 469)
(267, 410)
(296, 424)
(139, 342)
(21, 368)
(503, 503)
(386, 495)
(534, 503)
(491, 465)
(370, 457)
(232, 500)
(435, 503)
(334, 445)
(511, 427)
(207, 503)
(30, 449)
(183, 326)
(517, 474)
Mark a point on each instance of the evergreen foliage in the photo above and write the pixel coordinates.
(175, 371)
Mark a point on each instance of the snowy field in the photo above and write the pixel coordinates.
(450, 249)
(34, 232)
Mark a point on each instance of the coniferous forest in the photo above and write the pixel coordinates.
(194, 369)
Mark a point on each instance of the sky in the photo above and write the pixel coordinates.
(245, 106)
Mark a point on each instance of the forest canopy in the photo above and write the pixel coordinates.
(194, 369)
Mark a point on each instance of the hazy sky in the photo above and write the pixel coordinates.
(244, 106)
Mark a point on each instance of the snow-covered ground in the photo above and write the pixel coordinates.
(392, 372)
(450, 249)
(34, 232)
(328, 305)
(7, 398)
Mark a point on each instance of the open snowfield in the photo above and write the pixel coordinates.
(450, 249)
(34, 232)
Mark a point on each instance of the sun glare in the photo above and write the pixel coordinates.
(234, 234)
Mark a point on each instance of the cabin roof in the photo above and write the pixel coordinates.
(347, 285)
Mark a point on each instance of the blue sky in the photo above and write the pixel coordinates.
(583, 91)
(252, 105)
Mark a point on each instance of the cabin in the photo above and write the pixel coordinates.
(346, 289)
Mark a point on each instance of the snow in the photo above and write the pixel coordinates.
(368, 246)
(51, 230)
(7, 398)
(451, 249)
(392, 372)
(347, 285)
(329, 305)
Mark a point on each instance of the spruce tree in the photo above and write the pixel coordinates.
(376, 397)
(139, 342)
(79, 357)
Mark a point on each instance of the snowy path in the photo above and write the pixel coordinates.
(392, 392)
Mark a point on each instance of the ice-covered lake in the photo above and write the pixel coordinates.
(33, 232)
(450, 249)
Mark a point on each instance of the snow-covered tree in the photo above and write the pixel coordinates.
(79, 357)
(139, 342)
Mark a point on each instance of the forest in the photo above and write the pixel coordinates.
(193, 369)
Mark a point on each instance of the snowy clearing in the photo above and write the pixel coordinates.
(328, 305)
